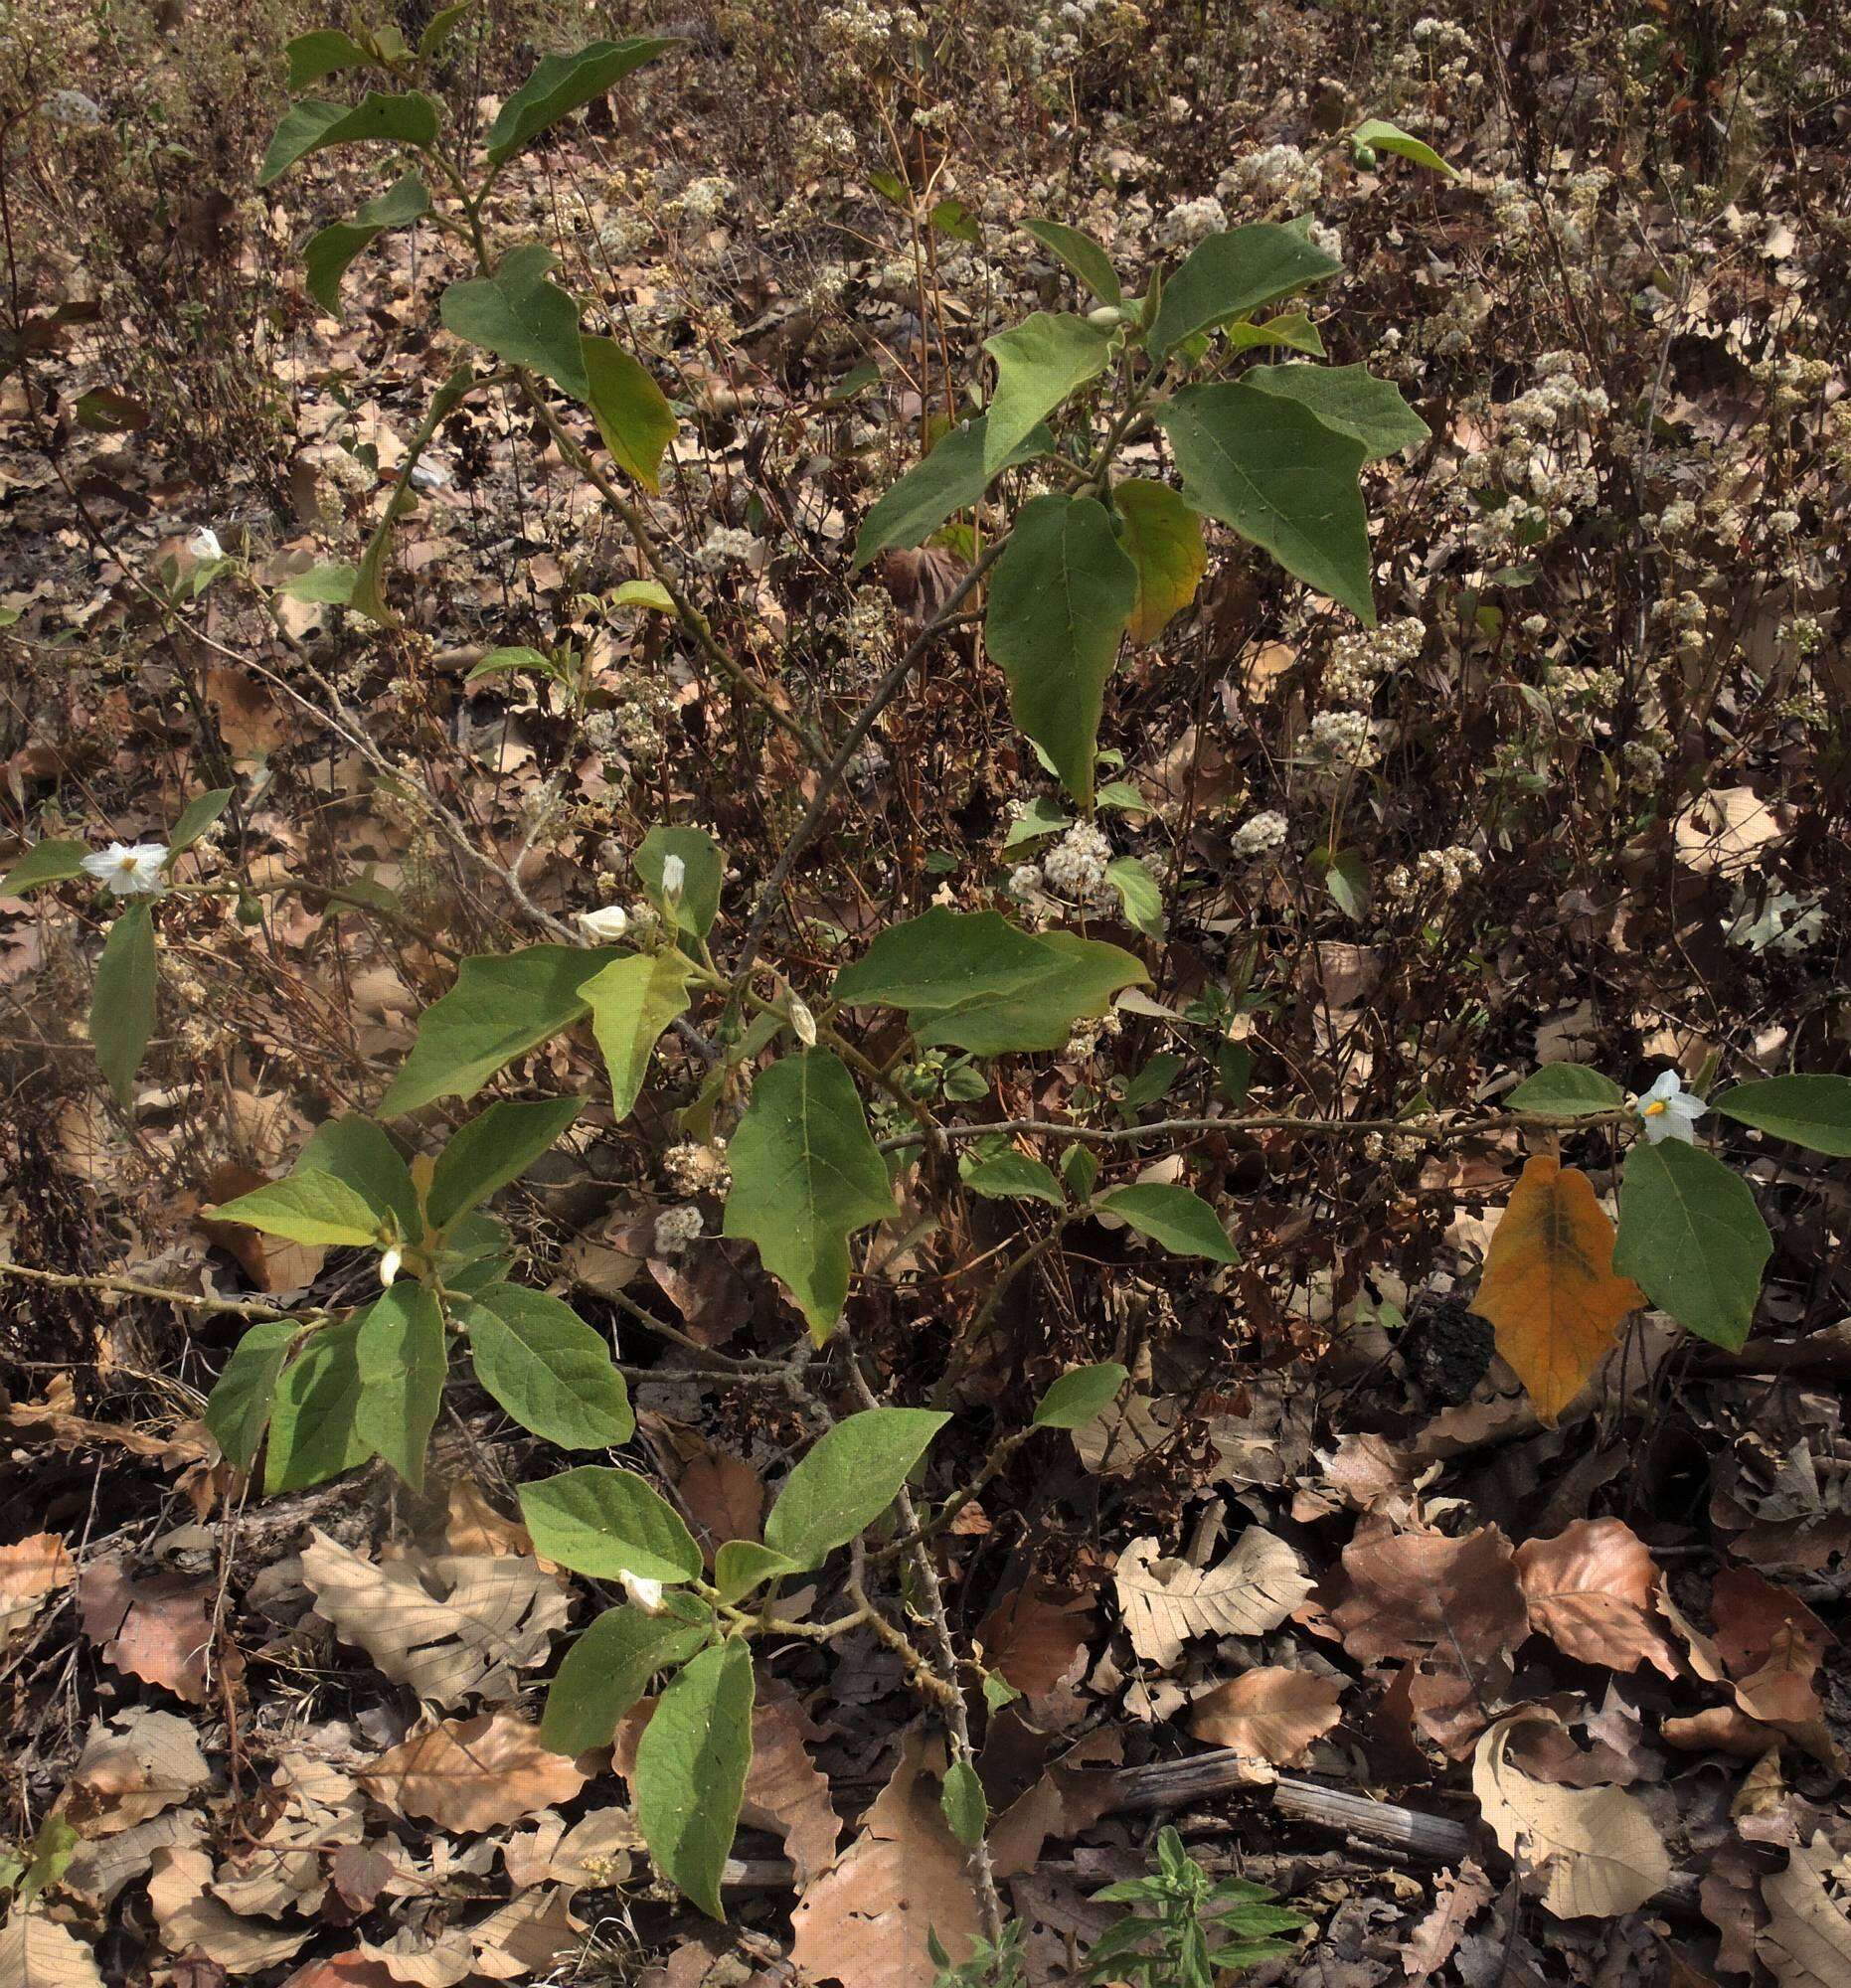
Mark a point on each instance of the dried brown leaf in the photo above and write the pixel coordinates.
(1590, 1590)
(473, 1775)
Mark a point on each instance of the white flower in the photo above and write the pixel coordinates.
(646, 1593)
(1668, 1112)
(203, 544)
(388, 1265)
(131, 870)
(609, 924)
(803, 1021)
(674, 877)
(676, 1228)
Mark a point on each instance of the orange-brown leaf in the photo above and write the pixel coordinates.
(1549, 1287)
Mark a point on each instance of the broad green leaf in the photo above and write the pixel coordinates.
(516, 658)
(846, 1479)
(607, 1671)
(1014, 1177)
(322, 51)
(1042, 816)
(1082, 255)
(1151, 1083)
(521, 317)
(632, 412)
(1140, 893)
(806, 1175)
(1567, 1091)
(360, 1155)
(122, 1001)
(493, 1149)
(1291, 329)
(1163, 538)
(642, 594)
(951, 479)
(1381, 137)
(1692, 1239)
(690, 1773)
(563, 84)
(311, 126)
(52, 860)
(632, 1001)
(332, 584)
(439, 28)
(702, 871)
(1038, 364)
(549, 1369)
(1233, 1070)
(1813, 1111)
(1080, 1168)
(306, 1207)
(502, 1006)
(403, 1358)
(238, 1410)
(952, 217)
(743, 1564)
(1060, 598)
(195, 817)
(1346, 878)
(606, 1523)
(314, 1428)
(975, 980)
(965, 1809)
(1230, 273)
(1267, 467)
(330, 252)
(1174, 1215)
(1080, 1396)
(1349, 399)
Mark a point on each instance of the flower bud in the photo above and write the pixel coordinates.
(389, 1266)
(646, 1593)
(803, 1021)
(674, 877)
(600, 926)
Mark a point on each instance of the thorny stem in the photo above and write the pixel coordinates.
(128, 1287)
(1428, 1126)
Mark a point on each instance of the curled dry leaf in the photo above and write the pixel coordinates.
(192, 1920)
(159, 1629)
(1166, 1602)
(1459, 1897)
(1808, 1940)
(784, 1791)
(1587, 1853)
(1271, 1715)
(30, 1571)
(138, 1765)
(1590, 1590)
(449, 1626)
(473, 1775)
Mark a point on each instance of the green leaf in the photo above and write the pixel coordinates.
(1163, 538)
(493, 1149)
(52, 860)
(632, 1001)
(195, 817)
(1060, 598)
(846, 1480)
(965, 1809)
(632, 412)
(306, 1207)
(806, 1175)
(743, 1564)
(1813, 1111)
(690, 1774)
(332, 584)
(1038, 364)
(607, 1670)
(642, 594)
(1174, 1215)
(1349, 399)
(521, 317)
(312, 126)
(502, 1006)
(1566, 1091)
(951, 479)
(1233, 1070)
(1014, 1177)
(1080, 1168)
(1381, 137)
(1291, 329)
(952, 217)
(314, 1426)
(1267, 467)
(322, 51)
(359, 1154)
(439, 28)
(1140, 893)
(1151, 1083)
(1230, 273)
(1346, 878)
(1082, 255)
(238, 1410)
(517, 658)
(331, 252)
(106, 411)
(123, 1001)
(1692, 1239)
(549, 1369)
(403, 1358)
(973, 980)
(605, 1523)
(1080, 1396)
(563, 84)
(703, 872)
(1042, 816)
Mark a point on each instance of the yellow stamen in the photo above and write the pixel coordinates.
(1654, 1108)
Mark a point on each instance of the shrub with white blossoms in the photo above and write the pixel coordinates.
(1257, 835)
(1076, 866)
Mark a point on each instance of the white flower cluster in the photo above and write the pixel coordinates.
(1257, 835)
(1544, 458)
(856, 36)
(1278, 174)
(691, 1168)
(1076, 866)
(676, 1228)
(625, 234)
(1442, 871)
(1594, 686)
(1193, 221)
(726, 543)
(640, 711)
(702, 202)
(1360, 661)
(825, 143)
(1344, 738)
